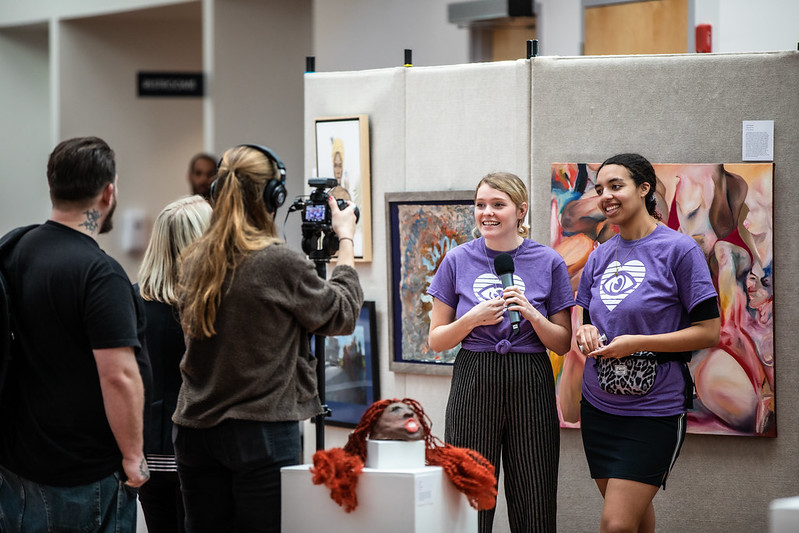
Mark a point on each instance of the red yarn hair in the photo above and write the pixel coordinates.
(338, 469)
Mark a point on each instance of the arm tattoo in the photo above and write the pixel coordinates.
(92, 216)
(144, 470)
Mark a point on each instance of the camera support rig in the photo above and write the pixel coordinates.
(319, 242)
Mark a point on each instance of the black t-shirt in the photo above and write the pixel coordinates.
(71, 298)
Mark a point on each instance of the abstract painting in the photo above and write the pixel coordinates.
(727, 209)
(422, 227)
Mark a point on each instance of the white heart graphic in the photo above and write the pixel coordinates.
(619, 281)
(488, 286)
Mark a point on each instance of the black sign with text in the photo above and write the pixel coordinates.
(180, 84)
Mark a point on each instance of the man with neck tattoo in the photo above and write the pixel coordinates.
(71, 413)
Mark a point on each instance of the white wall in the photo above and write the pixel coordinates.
(153, 138)
(25, 125)
(19, 12)
(560, 27)
(762, 26)
(258, 55)
(368, 34)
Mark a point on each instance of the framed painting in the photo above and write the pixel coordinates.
(342, 152)
(422, 227)
(352, 377)
(727, 209)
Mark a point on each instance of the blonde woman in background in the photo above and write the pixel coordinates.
(177, 226)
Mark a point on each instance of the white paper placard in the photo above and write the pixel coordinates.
(757, 140)
(425, 491)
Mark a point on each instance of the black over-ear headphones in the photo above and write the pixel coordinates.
(275, 190)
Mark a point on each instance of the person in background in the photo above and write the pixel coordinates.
(202, 169)
(71, 416)
(247, 304)
(177, 226)
(648, 301)
(502, 397)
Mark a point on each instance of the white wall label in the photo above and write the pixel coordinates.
(757, 140)
(425, 491)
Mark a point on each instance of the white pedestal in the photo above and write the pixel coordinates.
(784, 515)
(400, 500)
(394, 454)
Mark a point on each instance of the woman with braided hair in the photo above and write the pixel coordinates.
(338, 469)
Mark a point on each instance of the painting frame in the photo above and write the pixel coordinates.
(336, 139)
(348, 403)
(402, 347)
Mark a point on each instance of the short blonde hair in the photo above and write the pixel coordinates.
(177, 226)
(513, 186)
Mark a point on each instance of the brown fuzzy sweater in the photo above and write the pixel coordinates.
(258, 366)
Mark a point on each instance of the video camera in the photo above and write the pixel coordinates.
(319, 241)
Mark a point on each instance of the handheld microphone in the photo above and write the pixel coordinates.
(503, 264)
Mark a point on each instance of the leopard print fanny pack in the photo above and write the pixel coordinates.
(633, 375)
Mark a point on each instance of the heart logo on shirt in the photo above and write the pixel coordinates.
(614, 288)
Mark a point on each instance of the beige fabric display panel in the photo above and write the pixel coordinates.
(464, 121)
(684, 109)
(381, 95)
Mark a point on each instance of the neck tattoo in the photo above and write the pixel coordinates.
(92, 218)
(616, 253)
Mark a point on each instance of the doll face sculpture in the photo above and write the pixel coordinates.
(398, 422)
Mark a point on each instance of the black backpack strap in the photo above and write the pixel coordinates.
(7, 242)
(10, 239)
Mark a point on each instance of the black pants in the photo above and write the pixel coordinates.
(162, 503)
(230, 474)
(503, 406)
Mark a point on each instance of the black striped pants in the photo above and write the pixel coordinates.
(504, 406)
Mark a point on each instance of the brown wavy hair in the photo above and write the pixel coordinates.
(339, 469)
(240, 224)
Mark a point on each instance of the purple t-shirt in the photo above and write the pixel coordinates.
(660, 279)
(466, 277)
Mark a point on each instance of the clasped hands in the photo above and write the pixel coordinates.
(592, 343)
(490, 312)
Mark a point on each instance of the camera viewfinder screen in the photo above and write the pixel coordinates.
(315, 213)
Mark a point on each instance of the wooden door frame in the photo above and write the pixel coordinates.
(691, 37)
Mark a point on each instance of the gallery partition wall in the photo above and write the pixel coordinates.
(441, 129)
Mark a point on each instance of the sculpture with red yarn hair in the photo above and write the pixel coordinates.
(339, 468)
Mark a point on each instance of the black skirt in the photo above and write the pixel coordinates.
(638, 448)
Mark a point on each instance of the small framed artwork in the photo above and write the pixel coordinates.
(342, 152)
(422, 227)
(352, 378)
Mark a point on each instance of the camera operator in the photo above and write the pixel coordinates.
(248, 303)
